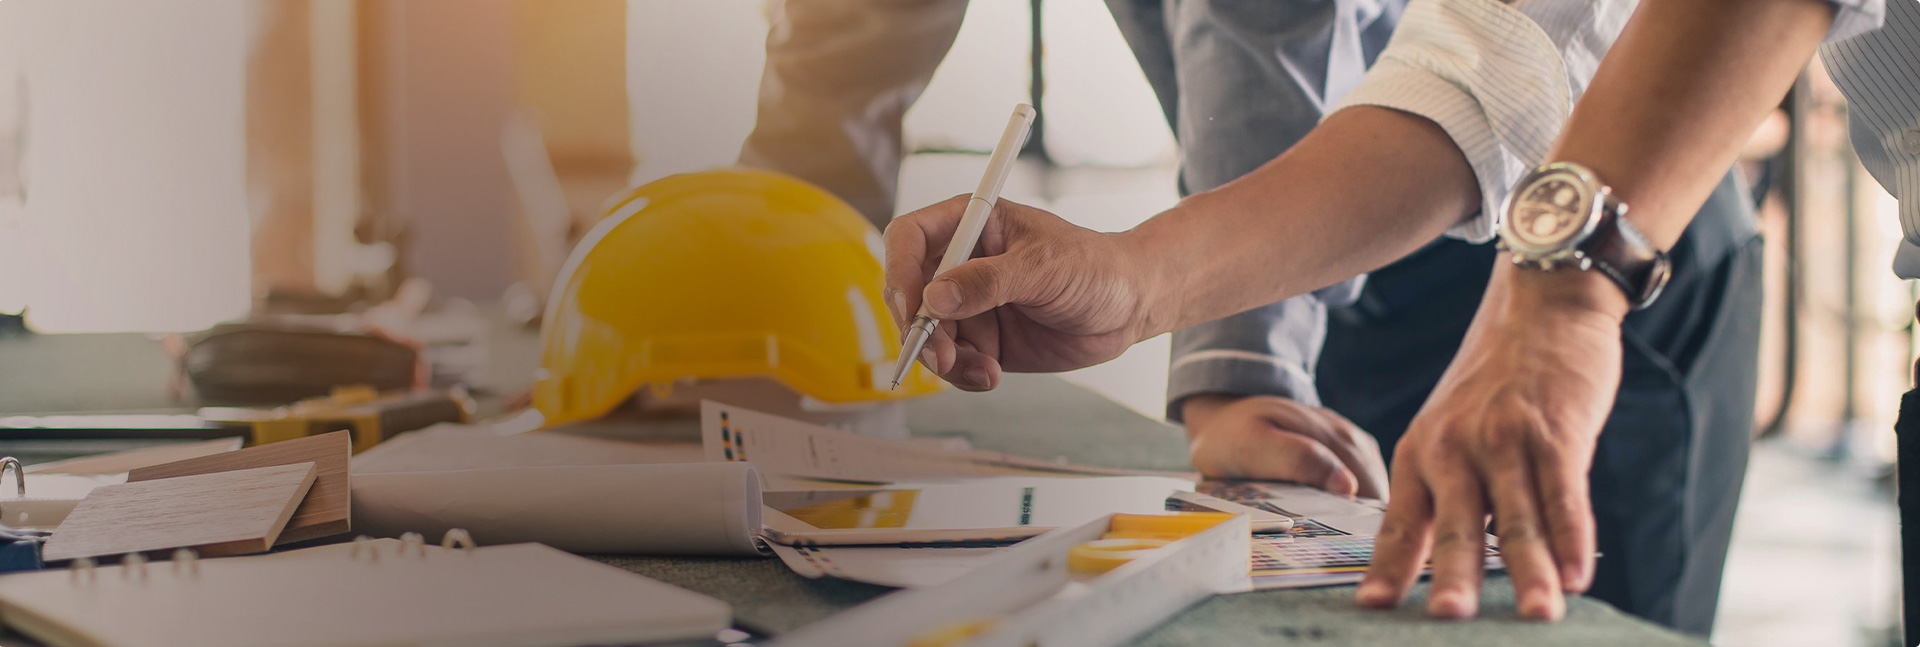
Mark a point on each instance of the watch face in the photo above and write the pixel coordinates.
(1550, 211)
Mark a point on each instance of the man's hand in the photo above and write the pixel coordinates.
(1040, 295)
(1271, 438)
(1509, 431)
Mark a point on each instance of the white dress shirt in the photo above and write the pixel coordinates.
(1501, 79)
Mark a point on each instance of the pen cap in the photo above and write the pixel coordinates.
(721, 274)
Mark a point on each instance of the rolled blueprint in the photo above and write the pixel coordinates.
(650, 509)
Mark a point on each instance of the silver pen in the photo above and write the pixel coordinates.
(967, 234)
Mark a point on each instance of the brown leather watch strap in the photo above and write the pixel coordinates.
(1621, 252)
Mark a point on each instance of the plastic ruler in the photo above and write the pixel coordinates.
(1026, 596)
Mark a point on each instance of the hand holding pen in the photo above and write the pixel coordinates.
(1044, 294)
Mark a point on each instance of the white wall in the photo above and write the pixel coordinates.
(135, 215)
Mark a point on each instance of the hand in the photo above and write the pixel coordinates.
(1041, 294)
(1513, 424)
(1271, 438)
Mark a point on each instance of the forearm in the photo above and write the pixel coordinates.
(1667, 112)
(1368, 186)
(1678, 94)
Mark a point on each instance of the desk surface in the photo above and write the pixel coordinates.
(1038, 416)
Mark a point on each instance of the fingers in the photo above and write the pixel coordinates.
(1287, 456)
(1561, 476)
(975, 345)
(914, 243)
(1400, 549)
(1523, 538)
(1236, 438)
(1459, 543)
(1356, 448)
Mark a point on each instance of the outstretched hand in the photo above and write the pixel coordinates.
(1509, 432)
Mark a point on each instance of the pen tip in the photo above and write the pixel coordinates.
(896, 386)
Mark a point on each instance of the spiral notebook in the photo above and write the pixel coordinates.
(381, 592)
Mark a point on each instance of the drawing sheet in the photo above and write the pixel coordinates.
(787, 447)
(1329, 549)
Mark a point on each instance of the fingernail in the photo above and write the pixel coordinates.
(1540, 605)
(1373, 594)
(1450, 604)
(977, 375)
(943, 297)
(899, 300)
(1570, 579)
(928, 359)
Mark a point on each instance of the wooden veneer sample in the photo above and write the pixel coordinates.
(226, 513)
(324, 512)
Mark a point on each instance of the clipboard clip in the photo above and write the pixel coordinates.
(19, 474)
(7, 531)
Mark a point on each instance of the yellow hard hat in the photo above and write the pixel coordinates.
(721, 274)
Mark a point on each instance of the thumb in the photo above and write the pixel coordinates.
(981, 284)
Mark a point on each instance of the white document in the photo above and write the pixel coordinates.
(787, 447)
(446, 447)
(661, 509)
(905, 567)
(50, 498)
(576, 493)
(132, 459)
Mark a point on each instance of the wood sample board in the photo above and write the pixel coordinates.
(325, 511)
(227, 513)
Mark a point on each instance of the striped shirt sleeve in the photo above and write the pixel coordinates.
(1880, 73)
(1494, 77)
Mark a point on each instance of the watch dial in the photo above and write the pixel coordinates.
(1549, 211)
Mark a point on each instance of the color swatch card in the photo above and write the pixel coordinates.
(1331, 541)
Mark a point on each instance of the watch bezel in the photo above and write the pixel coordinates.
(1567, 249)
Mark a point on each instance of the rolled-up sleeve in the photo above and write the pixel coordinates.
(1490, 76)
(1270, 350)
(1854, 17)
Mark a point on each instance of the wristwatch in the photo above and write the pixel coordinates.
(1560, 215)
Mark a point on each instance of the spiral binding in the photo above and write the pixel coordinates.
(186, 563)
